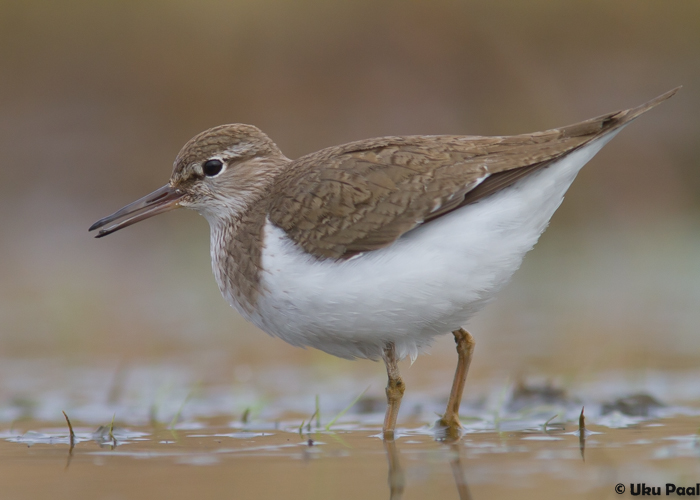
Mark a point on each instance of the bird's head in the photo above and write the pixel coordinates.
(218, 173)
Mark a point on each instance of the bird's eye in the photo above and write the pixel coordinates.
(212, 167)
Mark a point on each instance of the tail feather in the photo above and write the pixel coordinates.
(590, 129)
(605, 123)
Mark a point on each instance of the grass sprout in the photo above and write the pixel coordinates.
(548, 421)
(318, 412)
(246, 416)
(582, 434)
(72, 434)
(111, 431)
(344, 410)
(176, 417)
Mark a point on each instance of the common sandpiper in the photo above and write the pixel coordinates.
(373, 248)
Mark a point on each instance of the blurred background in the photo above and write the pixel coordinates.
(96, 99)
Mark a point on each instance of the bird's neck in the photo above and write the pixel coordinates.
(237, 240)
(236, 257)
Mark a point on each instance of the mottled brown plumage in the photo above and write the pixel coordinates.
(239, 256)
(364, 195)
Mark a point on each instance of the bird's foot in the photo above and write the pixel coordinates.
(448, 428)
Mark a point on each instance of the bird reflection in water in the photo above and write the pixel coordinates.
(397, 477)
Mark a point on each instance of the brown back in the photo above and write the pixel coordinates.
(362, 196)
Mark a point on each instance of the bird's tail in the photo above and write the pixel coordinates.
(603, 124)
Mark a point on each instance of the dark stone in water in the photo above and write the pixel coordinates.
(635, 405)
(525, 396)
(370, 404)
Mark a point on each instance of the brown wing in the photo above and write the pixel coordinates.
(362, 196)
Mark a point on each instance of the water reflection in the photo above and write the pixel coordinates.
(526, 437)
(213, 456)
(458, 473)
(397, 476)
(397, 479)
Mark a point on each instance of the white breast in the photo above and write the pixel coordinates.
(429, 282)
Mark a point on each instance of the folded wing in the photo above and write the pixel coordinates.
(363, 196)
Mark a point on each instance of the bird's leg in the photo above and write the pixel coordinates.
(394, 390)
(465, 349)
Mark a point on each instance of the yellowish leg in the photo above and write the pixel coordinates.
(465, 349)
(394, 391)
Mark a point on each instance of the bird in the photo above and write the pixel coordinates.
(372, 249)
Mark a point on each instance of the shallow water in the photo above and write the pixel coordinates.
(185, 439)
(217, 460)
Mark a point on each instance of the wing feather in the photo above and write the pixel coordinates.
(363, 196)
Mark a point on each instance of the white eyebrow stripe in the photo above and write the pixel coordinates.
(240, 149)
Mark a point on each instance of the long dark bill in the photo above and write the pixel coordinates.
(159, 201)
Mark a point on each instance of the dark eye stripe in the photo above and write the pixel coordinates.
(212, 167)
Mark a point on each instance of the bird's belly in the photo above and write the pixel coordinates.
(429, 282)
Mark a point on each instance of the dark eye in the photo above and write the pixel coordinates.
(212, 167)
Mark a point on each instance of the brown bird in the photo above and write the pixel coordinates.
(373, 248)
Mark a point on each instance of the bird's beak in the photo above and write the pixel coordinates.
(159, 201)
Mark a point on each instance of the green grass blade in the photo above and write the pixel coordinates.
(330, 424)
